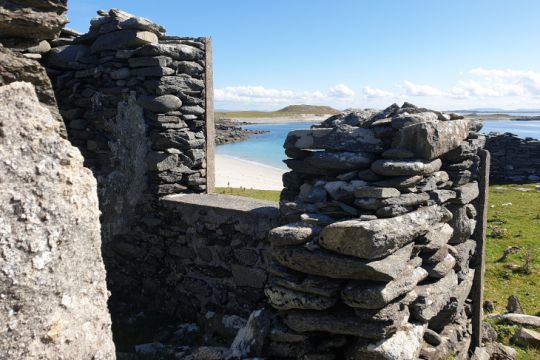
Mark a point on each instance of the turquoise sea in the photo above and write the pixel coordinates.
(268, 148)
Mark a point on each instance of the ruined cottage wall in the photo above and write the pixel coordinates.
(200, 253)
(134, 102)
(377, 257)
(513, 159)
(53, 301)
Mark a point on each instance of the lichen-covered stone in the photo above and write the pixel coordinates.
(36, 20)
(342, 160)
(286, 299)
(123, 39)
(54, 296)
(433, 297)
(411, 167)
(324, 263)
(377, 238)
(307, 321)
(292, 234)
(438, 137)
(405, 344)
(346, 138)
(368, 295)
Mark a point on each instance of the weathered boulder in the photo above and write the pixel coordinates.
(16, 67)
(411, 167)
(343, 138)
(368, 295)
(438, 137)
(399, 181)
(305, 321)
(343, 160)
(381, 237)
(161, 104)
(292, 234)
(454, 307)
(175, 84)
(376, 192)
(438, 236)
(123, 39)
(522, 319)
(176, 51)
(462, 222)
(31, 19)
(405, 344)
(329, 264)
(527, 337)
(250, 339)
(54, 296)
(467, 193)
(67, 56)
(433, 297)
(343, 190)
(286, 299)
(318, 285)
(440, 269)
(119, 19)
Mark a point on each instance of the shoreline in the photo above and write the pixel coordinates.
(275, 120)
(239, 173)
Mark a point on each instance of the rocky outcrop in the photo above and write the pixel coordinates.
(228, 132)
(16, 67)
(52, 283)
(31, 20)
(371, 205)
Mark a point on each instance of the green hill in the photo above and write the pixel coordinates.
(291, 110)
(308, 109)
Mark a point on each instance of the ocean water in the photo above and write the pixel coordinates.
(268, 149)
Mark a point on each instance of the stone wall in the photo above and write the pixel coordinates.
(200, 253)
(134, 102)
(376, 260)
(513, 159)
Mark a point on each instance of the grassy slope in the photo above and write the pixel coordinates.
(521, 227)
(288, 111)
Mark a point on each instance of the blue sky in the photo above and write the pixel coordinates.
(446, 54)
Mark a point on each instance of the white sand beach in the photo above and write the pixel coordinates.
(281, 120)
(235, 172)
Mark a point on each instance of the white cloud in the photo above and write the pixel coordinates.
(341, 91)
(371, 92)
(260, 96)
(412, 89)
(477, 87)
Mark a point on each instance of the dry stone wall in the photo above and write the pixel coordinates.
(513, 159)
(201, 253)
(376, 259)
(134, 102)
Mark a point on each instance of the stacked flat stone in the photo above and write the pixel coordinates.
(375, 261)
(513, 159)
(133, 100)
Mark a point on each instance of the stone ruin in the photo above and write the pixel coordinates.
(513, 159)
(383, 240)
(379, 255)
(134, 102)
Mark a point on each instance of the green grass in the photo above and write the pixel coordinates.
(516, 225)
(269, 195)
